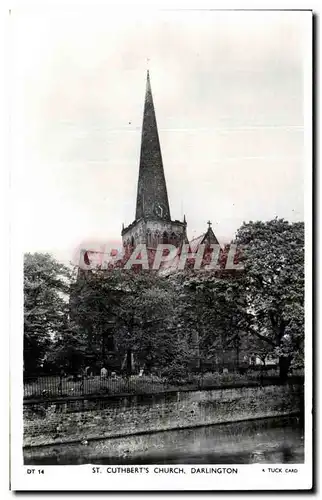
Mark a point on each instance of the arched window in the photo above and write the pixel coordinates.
(148, 237)
(165, 238)
(156, 237)
(173, 239)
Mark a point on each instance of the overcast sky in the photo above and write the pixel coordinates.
(228, 95)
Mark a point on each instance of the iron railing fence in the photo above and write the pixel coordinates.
(48, 387)
(56, 386)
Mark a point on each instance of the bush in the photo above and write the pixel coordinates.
(175, 373)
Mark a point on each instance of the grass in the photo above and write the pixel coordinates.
(50, 387)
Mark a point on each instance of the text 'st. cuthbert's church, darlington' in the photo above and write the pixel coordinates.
(153, 223)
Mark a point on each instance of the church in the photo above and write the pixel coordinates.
(153, 223)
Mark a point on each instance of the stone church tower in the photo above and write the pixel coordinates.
(152, 224)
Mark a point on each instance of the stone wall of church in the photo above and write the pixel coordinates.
(134, 234)
(152, 232)
(158, 231)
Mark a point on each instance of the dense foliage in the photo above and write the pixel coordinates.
(46, 288)
(170, 324)
(274, 287)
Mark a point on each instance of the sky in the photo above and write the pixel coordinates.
(228, 91)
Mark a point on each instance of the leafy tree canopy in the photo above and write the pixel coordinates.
(273, 254)
(46, 287)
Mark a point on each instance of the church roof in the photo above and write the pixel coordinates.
(195, 242)
(207, 237)
(152, 196)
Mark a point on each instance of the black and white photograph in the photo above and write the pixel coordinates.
(161, 163)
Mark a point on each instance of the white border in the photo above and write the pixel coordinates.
(78, 477)
(249, 477)
(308, 200)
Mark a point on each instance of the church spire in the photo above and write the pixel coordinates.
(152, 197)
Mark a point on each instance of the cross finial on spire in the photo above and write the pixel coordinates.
(209, 224)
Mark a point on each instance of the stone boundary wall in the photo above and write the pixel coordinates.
(75, 421)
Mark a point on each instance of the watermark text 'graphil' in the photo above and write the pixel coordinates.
(164, 256)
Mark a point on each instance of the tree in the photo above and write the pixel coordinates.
(67, 352)
(92, 303)
(137, 307)
(214, 307)
(46, 287)
(273, 255)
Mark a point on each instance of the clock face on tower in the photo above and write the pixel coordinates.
(159, 210)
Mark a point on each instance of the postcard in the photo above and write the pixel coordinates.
(161, 249)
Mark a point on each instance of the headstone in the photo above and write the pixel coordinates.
(225, 370)
(103, 372)
(141, 372)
